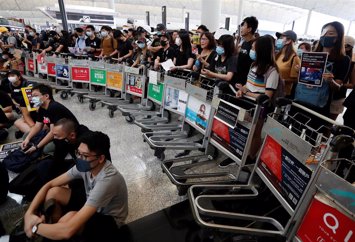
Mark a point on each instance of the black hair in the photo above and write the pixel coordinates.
(306, 45)
(44, 89)
(203, 28)
(185, 43)
(97, 142)
(107, 28)
(117, 34)
(227, 42)
(338, 50)
(252, 23)
(68, 125)
(79, 30)
(265, 54)
(90, 27)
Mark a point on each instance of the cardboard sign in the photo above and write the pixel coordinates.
(323, 222)
(80, 74)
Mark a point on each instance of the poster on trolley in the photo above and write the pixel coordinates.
(197, 112)
(62, 71)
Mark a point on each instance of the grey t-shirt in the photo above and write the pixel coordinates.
(107, 191)
(12, 40)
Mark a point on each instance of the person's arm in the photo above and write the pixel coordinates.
(7, 109)
(224, 77)
(27, 117)
(129, 54)
(34, 130)
(48, 138)
(154, 49)
(31, 218)
(59, 49)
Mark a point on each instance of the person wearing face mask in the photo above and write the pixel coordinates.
(184, 58)
(143, 55)
(49, 112)
(173, 41)
(92, 41)
(52, 42)
(287, 60)
(167, 52)
(124, 46)
(336, 73)
(6, 114)
(80, 43)
(13, 87)
(226, 63)
(10, 42)
(108, 43)
(105, 208)
(302, 48)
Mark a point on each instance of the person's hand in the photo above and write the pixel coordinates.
(241, 88)
(194, 68)
(120, 59)
(239, 94)
(173, 68)
(328, 76)
(206, 72)
(297, 67)
(24, 144)
(30, 221)
(31, 150)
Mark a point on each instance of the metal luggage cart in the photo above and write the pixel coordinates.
(41, 63)
(232, 130)
(268, 205)
(30, 61)
(328, 212)
(51, 68)
(62, 70)
(135, 80)
(195, 106)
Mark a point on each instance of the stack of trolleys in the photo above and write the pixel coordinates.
(62, 70)
(193, 103)
(51, 68)
(231, 133)
(41, 63)
(135, 88)
(30, 62)
(267, 206)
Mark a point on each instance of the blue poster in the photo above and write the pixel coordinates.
(62, 71)
(198, 112)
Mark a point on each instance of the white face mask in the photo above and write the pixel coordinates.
(103, 33)
(178, 41)
(12, 79)
(37, 102)
(89, 33)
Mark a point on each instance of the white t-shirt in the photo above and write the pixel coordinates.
(258, 84)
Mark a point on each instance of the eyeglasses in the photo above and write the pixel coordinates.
(84, 157)
(203, 39)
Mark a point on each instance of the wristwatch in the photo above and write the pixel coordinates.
(35, 228)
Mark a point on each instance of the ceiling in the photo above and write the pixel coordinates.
(281, 11)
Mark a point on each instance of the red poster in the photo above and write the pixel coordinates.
(31, 65)
(80, 74)
(134, 89)
(271, 155)
(51, 69)
(325, 223)
(221, 130)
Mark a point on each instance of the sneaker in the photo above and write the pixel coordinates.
(227, 162)
(18, 134)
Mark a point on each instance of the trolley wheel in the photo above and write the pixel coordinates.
(102, 105)
(92, 106)
(151, 104)
(182, 190)
(161, 156)
(168, 115)
(81, 99)
(129, 119)
(64, 95)
(112, 93)
(130, 100)
(111, 113)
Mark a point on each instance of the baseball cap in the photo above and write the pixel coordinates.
(348, 40)
(289, 33)
(3, 29)
(15, 72)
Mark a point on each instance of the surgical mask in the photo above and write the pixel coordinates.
(89, 33)
(141, 45)
(31, 33)
(279, 44)
(220, 50)
(12, 79)
(104, 33)
(163, 43)
(82, 37)
(327, 41)
(252, 55)
(178, 41)
(299, 52)
(83, 165)
(37, 102)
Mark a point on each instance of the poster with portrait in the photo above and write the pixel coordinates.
(198, 112)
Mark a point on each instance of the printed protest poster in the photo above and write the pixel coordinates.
(171, 98)
(27, 96)
(313, 65)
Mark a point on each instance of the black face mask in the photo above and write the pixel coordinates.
(163, 43)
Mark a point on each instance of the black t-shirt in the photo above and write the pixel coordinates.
(228, 65)
(183, 57)
(340, 70)
(65, 42)
(53, 113)
(16, 92)
(211, 60)
(124, 47)
(93, 43)
(5, 99)
(164, 55)
(244, 62)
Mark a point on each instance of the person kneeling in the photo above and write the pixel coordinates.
(106, 206)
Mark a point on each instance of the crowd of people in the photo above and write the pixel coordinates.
(251, 65)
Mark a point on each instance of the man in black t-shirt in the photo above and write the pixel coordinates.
(167, 52)
(6, 106)
(124, 46)
(92, 41)
(49, 113)
(247, 31)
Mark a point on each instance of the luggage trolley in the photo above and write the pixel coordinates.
(51, 68)
(195, 105)
(62, 71)
(234, 121)
(42, 67)
(268, 204)
(31, 67)
(135, 86)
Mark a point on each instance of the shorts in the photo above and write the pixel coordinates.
(77, 196)
(336, 106)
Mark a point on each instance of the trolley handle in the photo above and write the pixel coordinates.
(341, 129)
(282, 101)
(340, 142)
(262, 100)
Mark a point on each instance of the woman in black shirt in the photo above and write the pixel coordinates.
(184, 57)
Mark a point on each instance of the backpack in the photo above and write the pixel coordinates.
(17, 161)
(280, 90)
(312, 95)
